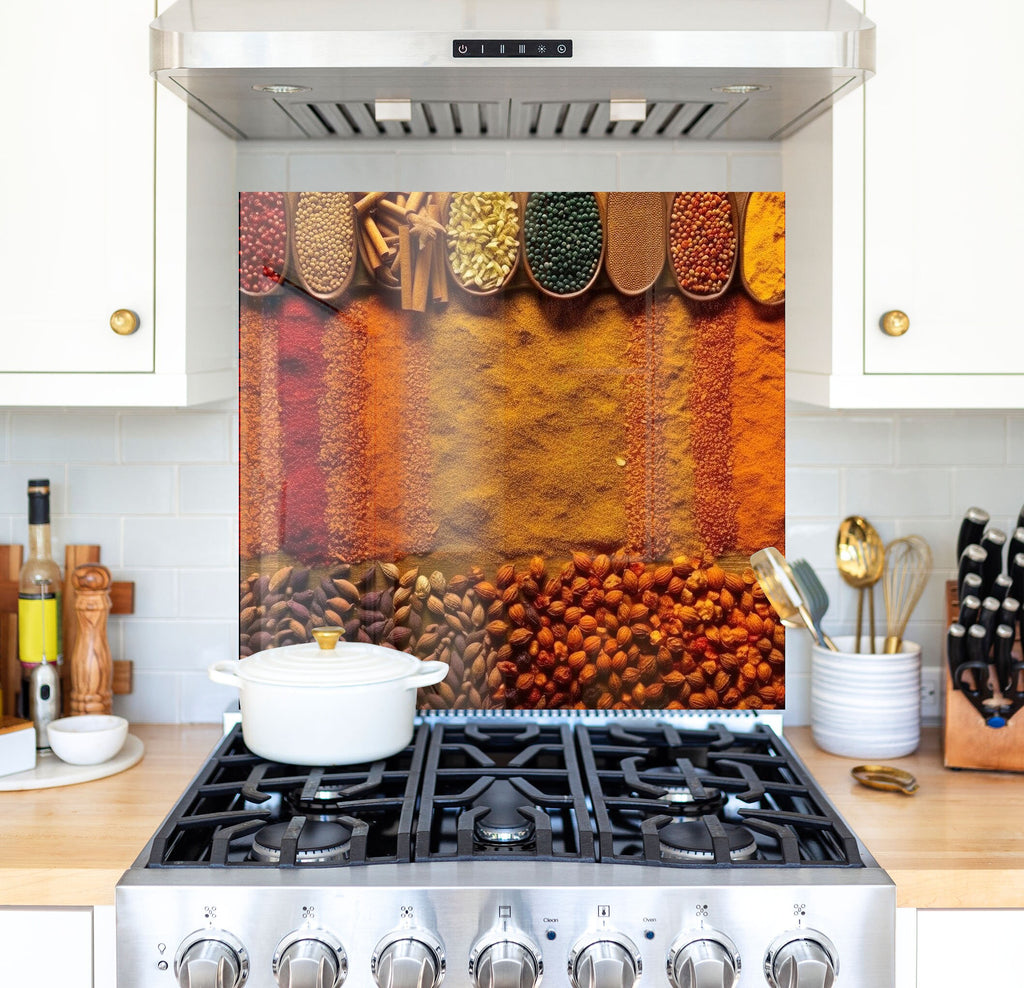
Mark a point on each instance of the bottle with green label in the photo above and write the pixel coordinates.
(39, 590)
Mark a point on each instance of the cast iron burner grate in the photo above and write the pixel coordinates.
(627, 792)
(643, 779)
(237, 794)
(493, 790)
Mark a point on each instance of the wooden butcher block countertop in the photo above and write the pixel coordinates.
(958, 843)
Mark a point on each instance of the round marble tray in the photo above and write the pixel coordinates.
(50, 771)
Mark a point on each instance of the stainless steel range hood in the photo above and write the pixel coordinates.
(496, 69)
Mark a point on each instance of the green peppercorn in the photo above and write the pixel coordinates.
(563, 239)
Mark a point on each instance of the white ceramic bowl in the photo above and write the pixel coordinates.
(88, 739)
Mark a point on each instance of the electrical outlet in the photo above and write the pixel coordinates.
(931, 688)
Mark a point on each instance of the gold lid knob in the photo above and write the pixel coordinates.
(124, 322)
(327, 638)
(895, 323)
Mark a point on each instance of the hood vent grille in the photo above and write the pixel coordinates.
(539, 120)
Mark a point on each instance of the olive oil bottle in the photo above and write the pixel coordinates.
(39, 593)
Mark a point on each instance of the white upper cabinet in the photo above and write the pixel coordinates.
(94, 170)
(904, 200)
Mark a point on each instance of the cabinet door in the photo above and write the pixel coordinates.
(951, 947)
(47, 948)
(77, 170)
(944, 212)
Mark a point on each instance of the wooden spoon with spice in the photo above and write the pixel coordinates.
(322, 240)
(545, 236)
(763, 248)
(482, 245)
(703, 243)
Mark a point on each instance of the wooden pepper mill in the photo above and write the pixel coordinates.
(92, 670)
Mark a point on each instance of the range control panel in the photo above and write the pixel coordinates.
(514, 48)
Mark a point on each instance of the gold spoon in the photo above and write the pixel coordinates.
(860, 558)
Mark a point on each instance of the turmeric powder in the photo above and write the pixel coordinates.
(764, 246)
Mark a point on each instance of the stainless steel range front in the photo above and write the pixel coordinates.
(500, 852)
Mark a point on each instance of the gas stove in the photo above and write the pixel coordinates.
(499, 851)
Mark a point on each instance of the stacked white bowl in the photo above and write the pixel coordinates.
(866, 705)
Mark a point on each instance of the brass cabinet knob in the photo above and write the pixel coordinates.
(895, 323)
(124, 322)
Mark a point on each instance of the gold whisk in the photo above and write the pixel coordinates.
(908, 562)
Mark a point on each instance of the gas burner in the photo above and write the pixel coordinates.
(691, 841)
(682, 802)
(319, 843)
(502, 824)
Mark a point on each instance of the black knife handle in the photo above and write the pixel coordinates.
(1016, 544)
(1001, 587)
(970, 608)
(1016, 573)
(992, 542)
(977, 644)
(1010, 611)
(971, 586)
(972, 560)
(956, 650)
(1004, 644)
(988, 619)
(1020, 517)
(973, 524)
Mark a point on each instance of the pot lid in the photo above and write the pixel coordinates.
(346, 664)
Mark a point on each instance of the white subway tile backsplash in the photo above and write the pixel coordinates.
(1015, 440)
(672, 172)
(179, 541)
(209, 490)
(812, 492)
(184, 437)
(312, 172)
(999, 490)
(897, 492)
(104, 531)
(811, 540)
(121, 490)
(73, 437)
(209, 594)
(978, 439)
(838, 439)
(14, 478)
(157, 645)
(261, 172)
(155, 698)
(203, 701)
(452, 172)
(755, 172)
(573, 170)
(156, 591)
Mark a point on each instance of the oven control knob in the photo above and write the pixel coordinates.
(607, 960)
(709, 960)
(408, 959)
(801, 959)
(506, 963)
(310, 959)
(211, 959)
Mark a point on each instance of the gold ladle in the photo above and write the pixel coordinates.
(860, 558)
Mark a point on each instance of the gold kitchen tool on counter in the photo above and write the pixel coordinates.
(860, 558)
(885, 777)
(908, 562)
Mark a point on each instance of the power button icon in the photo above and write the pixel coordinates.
(463, 49)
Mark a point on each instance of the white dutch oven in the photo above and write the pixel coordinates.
(317, 704)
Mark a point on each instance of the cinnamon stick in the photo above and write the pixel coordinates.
(406, 270)
(421, 276)
(415, 202)
(368, 201)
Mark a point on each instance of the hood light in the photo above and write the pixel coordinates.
(282, 90)
(741, 90)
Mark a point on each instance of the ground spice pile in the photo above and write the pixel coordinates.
(764, 245)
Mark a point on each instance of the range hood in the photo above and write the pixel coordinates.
(357, 70)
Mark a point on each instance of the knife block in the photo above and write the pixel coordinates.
(968, 742)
